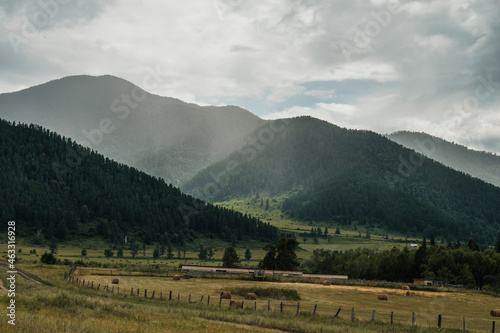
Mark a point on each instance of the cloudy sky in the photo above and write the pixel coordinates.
(431, 66)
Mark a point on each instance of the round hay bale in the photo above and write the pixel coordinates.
(405, 287)
(251, 296)
(326, 283)
(410, 293)
(186, 276)
(176, 277)
(115, 281)
(495, 313)
(225, 295)
(236, 304)
(382, 297)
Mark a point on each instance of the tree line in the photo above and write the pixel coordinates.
(452, 263)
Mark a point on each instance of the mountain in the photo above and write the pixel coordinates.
(348, 176)
(480, 164)
(162, 136)
(53, 185)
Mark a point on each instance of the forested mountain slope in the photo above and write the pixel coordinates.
(480, 164)
(50, 183)
(355, 176)
(162, 136)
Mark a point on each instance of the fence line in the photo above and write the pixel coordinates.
(292, 307)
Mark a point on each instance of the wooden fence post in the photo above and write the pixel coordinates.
(170, 295)
(132, 291)
(281, 307)
(352, 314)
(493, 327)
(99, 286)
(137, 292)
(392, 317)
(220, 301)
(413, 319)
(298, 306)
(268, 305)
(153, 296)
(179, 296)
(314, 311)
(208, 300)
(201, 299)
(439, 320)
(338, 311)
(464, 325)
(255, 306)
(373, 316)
(145, 293)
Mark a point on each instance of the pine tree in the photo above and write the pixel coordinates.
(230, 258)
(248, 255)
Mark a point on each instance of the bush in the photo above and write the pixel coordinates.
(270, 292)
(48, 258)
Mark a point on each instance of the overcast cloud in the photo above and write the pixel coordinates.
(429, 66)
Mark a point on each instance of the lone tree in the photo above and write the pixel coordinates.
(230, 258)
(53, 246)
(84, 252)
(202, 255)
(281, 256)
(108, 253)
(134, 249)
(248, 255)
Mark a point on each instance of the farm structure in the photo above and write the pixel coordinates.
(422, 282)
(258, 273)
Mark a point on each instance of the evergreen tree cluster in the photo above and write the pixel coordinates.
(55, 188)
(346, 176)
(451, 263)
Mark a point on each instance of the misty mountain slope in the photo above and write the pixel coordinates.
(52, 184)
(483, 165)
(118, 119)
(356, 176)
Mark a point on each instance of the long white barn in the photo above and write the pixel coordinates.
(259, 273)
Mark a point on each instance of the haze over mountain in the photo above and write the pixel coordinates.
(160, 135)
(480, 164)
(52, 185)
(349, 176)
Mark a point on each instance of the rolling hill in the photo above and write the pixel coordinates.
(53, 187)
(480, 164)
(351, 176)
(162, 136)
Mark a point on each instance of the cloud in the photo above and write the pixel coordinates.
(402, 63)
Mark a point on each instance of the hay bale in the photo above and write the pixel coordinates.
(410, 293)
(186, 276)
(382, 297)
(251, 296)
(236, 304)
(225, 295)
(405, 287)
(326, 283)
(115, 281)
(176, 277)
(495, 313)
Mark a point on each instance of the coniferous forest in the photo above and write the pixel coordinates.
(55, 188)
(353, 176)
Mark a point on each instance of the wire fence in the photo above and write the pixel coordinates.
(287, 307)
